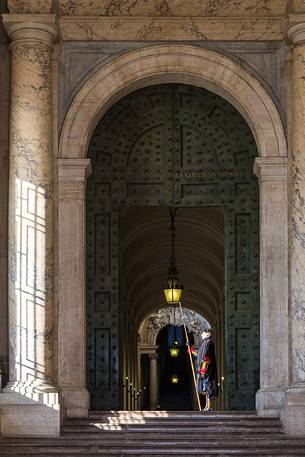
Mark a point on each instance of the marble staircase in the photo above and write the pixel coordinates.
(161, 433)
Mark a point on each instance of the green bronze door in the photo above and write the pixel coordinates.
(133, 150)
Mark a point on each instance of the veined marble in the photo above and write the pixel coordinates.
(298, 6)
(207, 8)
(298, 219)
(210, 8)
(31, 342)
(29, 6)
(31, 212)
(169, 28)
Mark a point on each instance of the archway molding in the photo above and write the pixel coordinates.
(153, 324)
(172, 64)
(222, 75)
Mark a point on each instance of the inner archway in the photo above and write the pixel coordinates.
(132, 157)
(157, 333)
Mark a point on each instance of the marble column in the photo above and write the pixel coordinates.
(4, 148)
(294, 412)
(153, 388)
(31, 330)
(272, 176)
(72, 174)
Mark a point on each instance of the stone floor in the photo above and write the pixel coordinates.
(162, 434)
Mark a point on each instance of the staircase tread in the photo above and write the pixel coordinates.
(159, 434)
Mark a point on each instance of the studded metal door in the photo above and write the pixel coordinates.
(133, 151)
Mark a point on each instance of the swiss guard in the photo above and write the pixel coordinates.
(206, 369)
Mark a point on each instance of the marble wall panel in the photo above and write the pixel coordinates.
(298, 6)
(29, 6)
(142, 28)
(210, 8)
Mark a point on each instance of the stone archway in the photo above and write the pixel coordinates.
(198, 67)
(149, 330)
(152, 324)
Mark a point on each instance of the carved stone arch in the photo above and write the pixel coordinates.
(151, 325)
(177, 64)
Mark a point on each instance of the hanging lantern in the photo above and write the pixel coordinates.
(174, 379)
(174, 349)
(173, 288)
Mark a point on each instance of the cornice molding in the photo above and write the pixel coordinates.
(76, 170)
(271, 168)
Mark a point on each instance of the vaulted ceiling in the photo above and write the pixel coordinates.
(145, 251)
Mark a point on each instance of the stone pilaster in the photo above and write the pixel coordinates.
(30, 231)
(272, 176)
(153, 388)
(294, 412)
(72, 174)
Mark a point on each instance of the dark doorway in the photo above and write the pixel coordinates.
(174, 396)
(145, 374)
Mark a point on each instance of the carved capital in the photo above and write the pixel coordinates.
(30, 29)
(73, 169)
(149, 350)
(72, 176)
(270, 169)
(296, 33)
(153, 356)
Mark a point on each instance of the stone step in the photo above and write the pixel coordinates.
(165, 443)
(161, 412)
(175, 414)
(73, 451)
(174, 422)
(181, 420)
(160, 434)
(164, 416)
(174, 429)
(176, 436)
(139, 435)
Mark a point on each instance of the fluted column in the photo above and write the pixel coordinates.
(153, 391)
(272, 176)
(72, 174)
(294, 414)
(31, 327)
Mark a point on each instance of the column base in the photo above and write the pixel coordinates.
(76, 401)
(293, 416)
(269, 401)
(27, 411)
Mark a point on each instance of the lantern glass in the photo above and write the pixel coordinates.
(173, 291)
(174, 349)
(174, 379)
